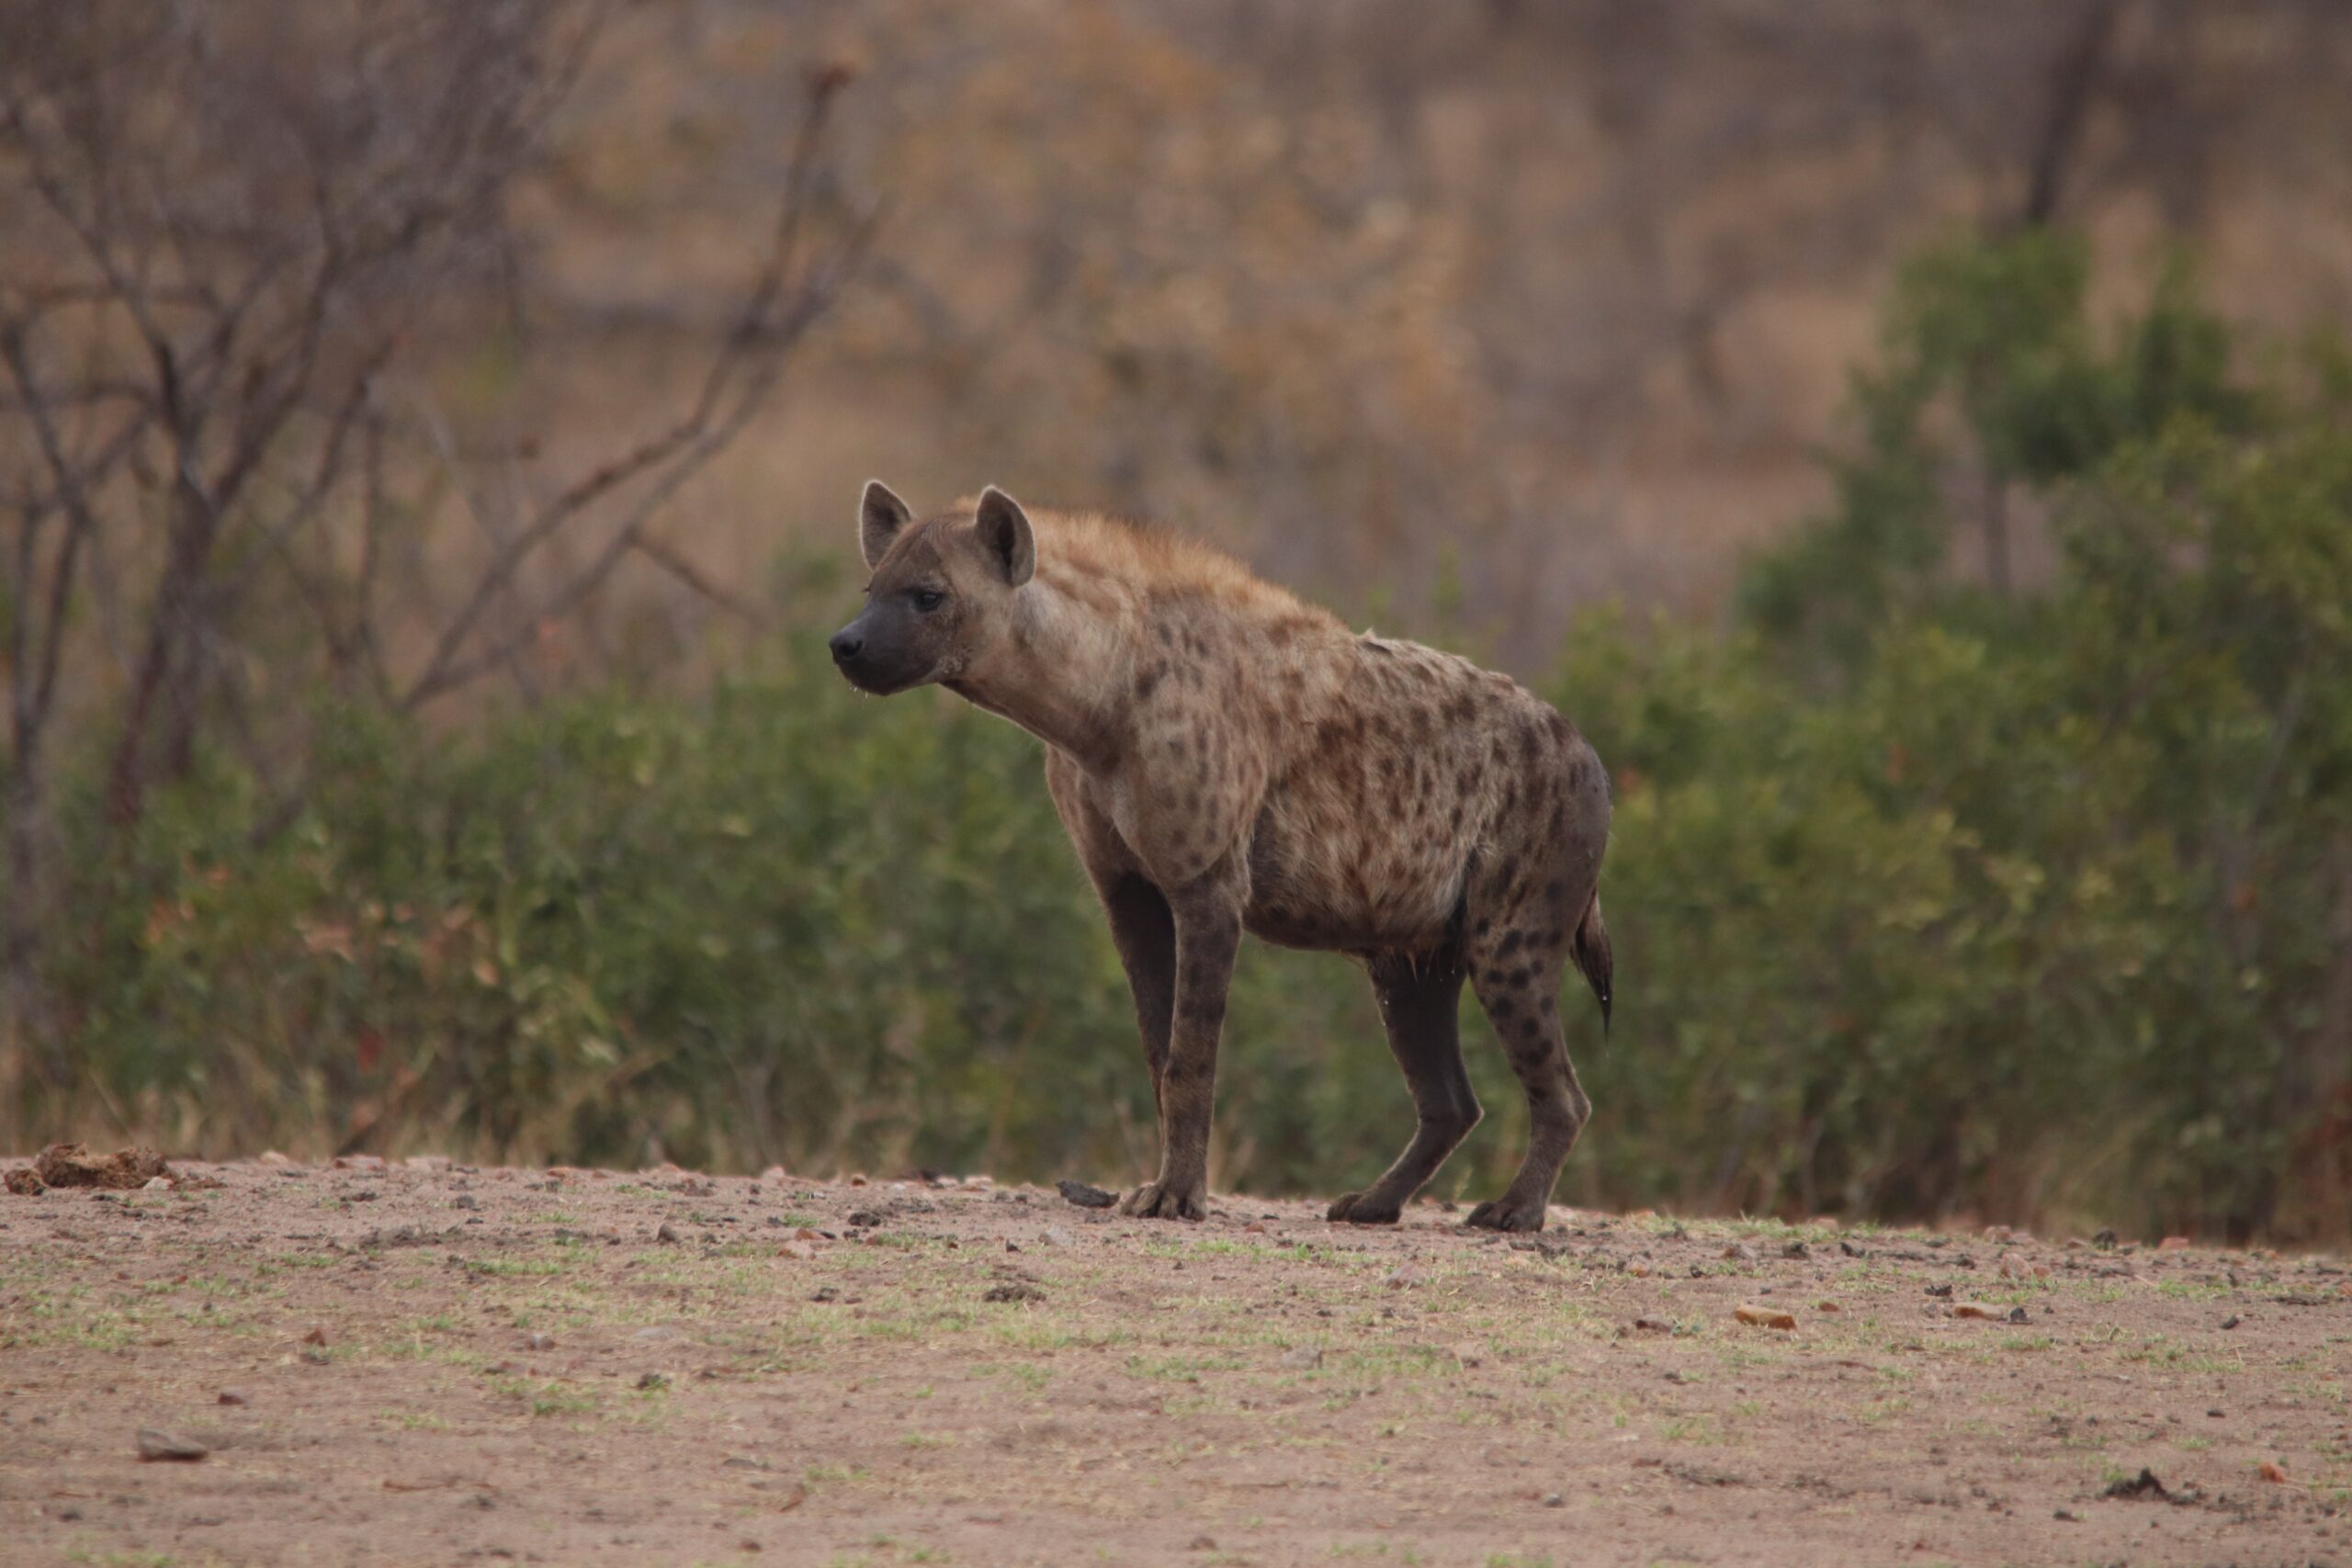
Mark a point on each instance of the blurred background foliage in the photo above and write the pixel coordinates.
(1982, 732)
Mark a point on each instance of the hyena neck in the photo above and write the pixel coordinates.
(1056, 674)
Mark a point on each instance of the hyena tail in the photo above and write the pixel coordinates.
(1590, 950)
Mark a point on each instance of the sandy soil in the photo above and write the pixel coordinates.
(431, 1364)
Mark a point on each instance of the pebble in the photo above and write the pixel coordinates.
(154, 1443)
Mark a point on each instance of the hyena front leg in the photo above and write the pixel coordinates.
(1208, 935)
(1420, 1003)
(1144, 930)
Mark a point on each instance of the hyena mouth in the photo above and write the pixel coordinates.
(883, 682)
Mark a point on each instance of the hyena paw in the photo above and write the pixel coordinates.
(1362, 1209)
(1500, 1215)
(1166, 1200)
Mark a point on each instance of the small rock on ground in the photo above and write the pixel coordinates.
(125, 1171)
(154, 1443)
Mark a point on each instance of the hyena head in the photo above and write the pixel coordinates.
(942, 588)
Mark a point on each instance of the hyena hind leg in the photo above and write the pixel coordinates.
(1516, 973)
(1421, 1005)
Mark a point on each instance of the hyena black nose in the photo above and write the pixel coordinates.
(846, 646)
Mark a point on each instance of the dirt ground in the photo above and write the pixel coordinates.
(429, 1364)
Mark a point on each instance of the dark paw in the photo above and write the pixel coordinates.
(1157, 1201)
(1498, 1216)
(1361, 1208)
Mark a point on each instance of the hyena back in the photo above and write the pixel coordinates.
(1228, 759)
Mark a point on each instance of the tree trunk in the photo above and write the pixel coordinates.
(1996, 532)
(2074, 78)
(27, 1041)
(165, 691)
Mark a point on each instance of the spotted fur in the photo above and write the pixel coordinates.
(1226, 757)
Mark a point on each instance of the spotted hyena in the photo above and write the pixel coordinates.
(1228, 759)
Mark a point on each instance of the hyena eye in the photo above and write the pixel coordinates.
(929, 599)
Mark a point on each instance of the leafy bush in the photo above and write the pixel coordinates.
(1930, 893)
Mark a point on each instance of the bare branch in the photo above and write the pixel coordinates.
(666, 556)
(742, 371)
(31, 702)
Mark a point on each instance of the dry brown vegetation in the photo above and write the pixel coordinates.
(1489, 309)
(373, 346)
(1561, 296)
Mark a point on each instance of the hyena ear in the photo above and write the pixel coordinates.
(1005, 534)
(881, 515)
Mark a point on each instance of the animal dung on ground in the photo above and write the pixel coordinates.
(2143, 1485)
(1013, 1290)
(1084, 1195)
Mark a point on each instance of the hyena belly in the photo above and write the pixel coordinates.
(1371, 825)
